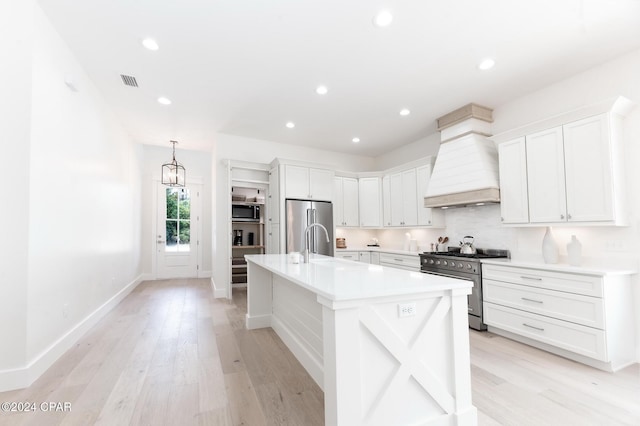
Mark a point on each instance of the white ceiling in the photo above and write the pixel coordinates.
(246, 67)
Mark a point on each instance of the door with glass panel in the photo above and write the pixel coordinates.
(177, 231)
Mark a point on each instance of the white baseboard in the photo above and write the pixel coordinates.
(259, 321)
(23, 377)
(218, 293)
(147, 276)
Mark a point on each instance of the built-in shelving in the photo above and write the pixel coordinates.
(243, 229)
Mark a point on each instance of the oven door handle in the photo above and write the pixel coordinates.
(445, 275)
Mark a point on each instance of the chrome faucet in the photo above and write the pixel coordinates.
(305, 254)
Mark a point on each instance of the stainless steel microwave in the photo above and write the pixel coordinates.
(244, 213)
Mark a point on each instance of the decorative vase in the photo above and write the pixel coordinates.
(549, 247)
(574, 251)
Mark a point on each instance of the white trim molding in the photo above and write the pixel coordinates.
(23, 377)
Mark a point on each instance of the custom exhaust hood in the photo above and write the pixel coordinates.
(466, 168)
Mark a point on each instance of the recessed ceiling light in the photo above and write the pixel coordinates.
(486, 64)
(290, 125)
(355, 140)
(164, 101)
(150, 44)
(322, 90)
(382, 19)
(404, 112)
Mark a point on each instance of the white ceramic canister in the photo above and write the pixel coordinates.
(549, 247)
(574, 251)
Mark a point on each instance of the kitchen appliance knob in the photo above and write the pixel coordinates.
(460, 265)
(437, 262)
(444, 263)
(431, 261)
(468, 266)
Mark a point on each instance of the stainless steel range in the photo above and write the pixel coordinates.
(462, 266)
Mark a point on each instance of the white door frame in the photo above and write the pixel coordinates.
(155, 182)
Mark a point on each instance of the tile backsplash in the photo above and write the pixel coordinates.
(607, 246)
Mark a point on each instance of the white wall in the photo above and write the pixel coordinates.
(83, 209)
(198, 167)
(16, 34)
(424, 147)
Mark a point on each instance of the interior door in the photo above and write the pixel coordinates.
(177, 231)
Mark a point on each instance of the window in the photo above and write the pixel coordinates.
(178, 223)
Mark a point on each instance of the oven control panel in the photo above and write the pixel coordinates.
(435, 263)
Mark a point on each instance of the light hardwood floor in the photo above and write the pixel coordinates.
(170, 354)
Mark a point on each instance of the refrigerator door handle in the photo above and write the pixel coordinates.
(309, 235)
(315, 230)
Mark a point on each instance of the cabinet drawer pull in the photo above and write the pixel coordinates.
(531, 300)
(530, 326)
(530, 278)
(398, 260)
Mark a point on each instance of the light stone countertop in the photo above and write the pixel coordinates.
(338, 279)
(379, 249)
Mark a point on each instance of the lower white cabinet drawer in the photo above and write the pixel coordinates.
(401, 259)
(587, 285)
(576, 338)
(410, 263)
(349, 255)
(575, 308)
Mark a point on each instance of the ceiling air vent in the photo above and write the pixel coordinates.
(129, 80)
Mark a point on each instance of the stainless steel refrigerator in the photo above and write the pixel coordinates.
(302, 213)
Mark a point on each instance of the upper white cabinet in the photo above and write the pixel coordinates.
(514, 205)
(386, 201)
(273, 201)
(370, 201)
(403, 198)
(545, 176)
(569, 173)
(345, 201)
(308, 183)
(588, 169)
(426, 216)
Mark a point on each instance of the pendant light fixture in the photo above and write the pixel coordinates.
(173, 173)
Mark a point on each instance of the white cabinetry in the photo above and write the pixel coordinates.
(588, 147)
(514, 204)
(273, 238)
(345, 204)
(370, 202)
(356, 256)
(308, 183)
(400, 261)
(403, 198)
(569, 172)
(386, 201)
(273, 201)
(426, 216)
(545, 176)
(585, 317)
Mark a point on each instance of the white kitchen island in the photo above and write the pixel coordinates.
(387, 346)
